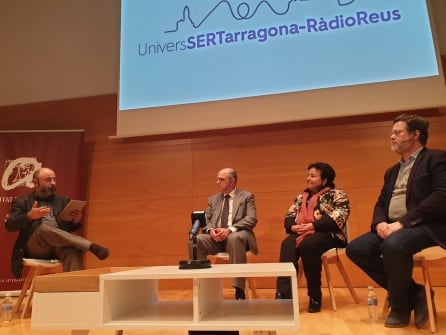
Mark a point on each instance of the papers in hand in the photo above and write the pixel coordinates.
(73, 205)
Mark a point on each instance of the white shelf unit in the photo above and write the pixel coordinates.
(131, 300)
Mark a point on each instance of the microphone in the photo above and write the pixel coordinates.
(199, 220)
(407, 141)
(195, 228)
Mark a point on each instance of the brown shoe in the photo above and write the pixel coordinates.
(99, 251)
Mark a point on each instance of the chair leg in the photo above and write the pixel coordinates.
(27, 305)
(347, 281)
(26, 285)
(385, 309)
(434, 308)
(329, 282)
(300, 270)
(429, 301)
(251, 288)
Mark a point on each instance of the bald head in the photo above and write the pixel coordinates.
(227, 180)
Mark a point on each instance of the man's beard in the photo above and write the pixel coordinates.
(48, 191)
(395, 148)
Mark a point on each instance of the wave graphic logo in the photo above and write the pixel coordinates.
(242, 12)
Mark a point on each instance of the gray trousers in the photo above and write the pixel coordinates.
(236, 246)
(49, 242)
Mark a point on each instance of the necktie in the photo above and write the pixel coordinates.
(225, 213)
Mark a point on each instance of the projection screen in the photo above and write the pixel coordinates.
(201, 65)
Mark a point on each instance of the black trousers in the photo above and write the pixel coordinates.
(310, 250)
(389, 262)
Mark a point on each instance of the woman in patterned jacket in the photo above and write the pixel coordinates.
(315, 223)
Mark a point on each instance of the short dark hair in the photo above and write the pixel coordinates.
(327, 172)
(415, 122)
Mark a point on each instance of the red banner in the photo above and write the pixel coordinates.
(21, 153)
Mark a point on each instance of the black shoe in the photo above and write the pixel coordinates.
(99, 251)
(314, 306)
(420, 311)
(396, 320)
(239, 294)
(281, 295)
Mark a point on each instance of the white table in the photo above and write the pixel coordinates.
(129, 300)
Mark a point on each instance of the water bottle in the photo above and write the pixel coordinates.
(7, 307)
(372, 303)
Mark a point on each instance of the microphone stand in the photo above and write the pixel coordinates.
(194, 263)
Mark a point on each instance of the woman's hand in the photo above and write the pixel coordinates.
(304, 227)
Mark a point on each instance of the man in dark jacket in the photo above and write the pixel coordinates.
(41, 233)
(409, 216)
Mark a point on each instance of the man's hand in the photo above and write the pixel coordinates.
(219, 234)
(76, 216)
(38, 212)
(393, 227)
(384, 229)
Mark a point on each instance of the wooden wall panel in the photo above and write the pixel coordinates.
(141, 190)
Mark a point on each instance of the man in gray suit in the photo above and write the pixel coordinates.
(229, 228)
(409, 216)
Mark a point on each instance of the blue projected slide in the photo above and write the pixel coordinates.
(180, 52)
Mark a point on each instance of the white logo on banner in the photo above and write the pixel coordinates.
(19, 172)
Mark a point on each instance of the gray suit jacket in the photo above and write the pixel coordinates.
(243, 214)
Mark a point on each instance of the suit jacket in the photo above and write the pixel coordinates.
(244, 215)
(19, 221)
(425, 195)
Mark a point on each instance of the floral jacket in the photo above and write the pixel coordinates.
(330, 215)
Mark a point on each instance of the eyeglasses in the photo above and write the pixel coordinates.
(397, 132)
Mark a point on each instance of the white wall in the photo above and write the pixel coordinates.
(61, 49)
(58, 49)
